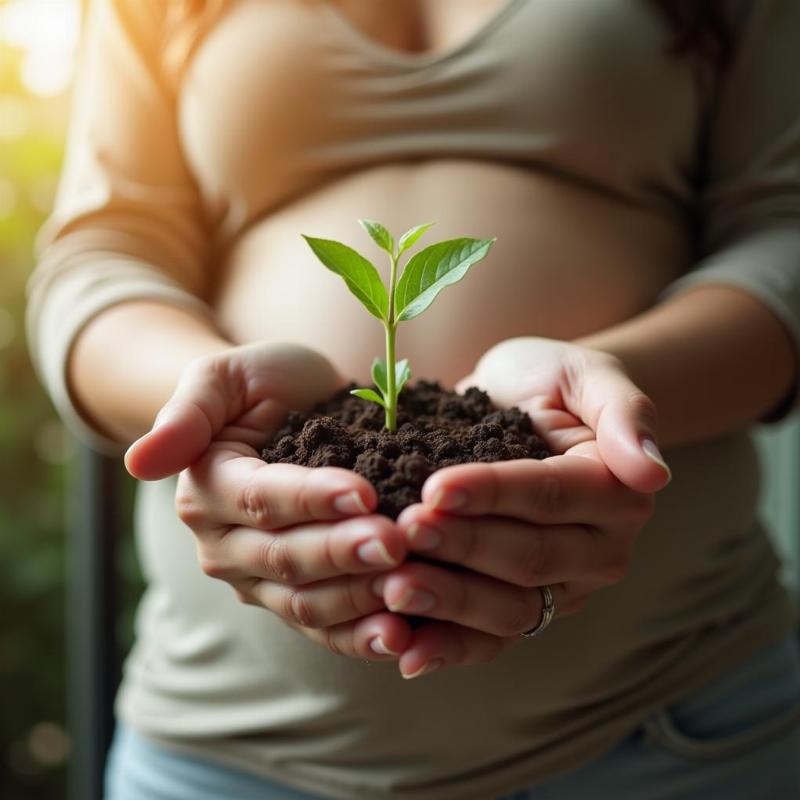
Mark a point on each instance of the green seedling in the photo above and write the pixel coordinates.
(425, 275)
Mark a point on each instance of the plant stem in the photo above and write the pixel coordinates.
(391, 328)
(391, 391)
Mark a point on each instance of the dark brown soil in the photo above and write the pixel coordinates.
(436, 428)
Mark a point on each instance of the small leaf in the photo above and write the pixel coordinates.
(379, 374)
(361, 277)
(402, 373)
(379, 234)
(368, 394)
(433, 268)
(409, 238)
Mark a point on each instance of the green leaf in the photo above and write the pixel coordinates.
(361, 277)
(379, 375)
(379, 234)
(402, 373)
(433, 268)
(409, 238)
(368, 394)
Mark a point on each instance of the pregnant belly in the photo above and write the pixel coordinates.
(567, 261)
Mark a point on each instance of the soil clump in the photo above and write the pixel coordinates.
(436, 428)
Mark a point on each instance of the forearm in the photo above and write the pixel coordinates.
(713, 360)
(126, 362)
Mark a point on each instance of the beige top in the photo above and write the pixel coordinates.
(564, 129)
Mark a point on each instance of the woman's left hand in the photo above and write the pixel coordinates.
(569, 522)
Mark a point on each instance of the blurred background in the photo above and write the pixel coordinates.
(38, 44)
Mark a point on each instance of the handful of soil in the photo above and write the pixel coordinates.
(436, 428)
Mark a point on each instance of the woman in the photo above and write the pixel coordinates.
(638, 163)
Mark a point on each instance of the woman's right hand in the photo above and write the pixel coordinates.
(298, 541)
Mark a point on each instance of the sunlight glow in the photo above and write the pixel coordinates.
(47, 32)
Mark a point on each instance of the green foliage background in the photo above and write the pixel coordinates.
(34, 469)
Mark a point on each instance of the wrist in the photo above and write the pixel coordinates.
(126, 362)
(714, 360)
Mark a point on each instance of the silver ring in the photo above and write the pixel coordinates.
(548, 612)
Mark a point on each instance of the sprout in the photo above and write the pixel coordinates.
(424, 276)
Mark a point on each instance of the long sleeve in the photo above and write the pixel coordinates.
(751, 193)
(128, 221)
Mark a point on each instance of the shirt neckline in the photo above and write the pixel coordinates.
(423, 58)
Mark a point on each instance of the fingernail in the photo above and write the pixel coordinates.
(374, 553)
(650, 449)
(378, 585)
(421, 537)
(431, 666)
(350, 503)
(377, 645)
(450, 499)
(414, 601)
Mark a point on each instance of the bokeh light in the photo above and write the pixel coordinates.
(47, 33)
(38, 49)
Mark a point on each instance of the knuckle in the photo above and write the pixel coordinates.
(275, 560)
(188, 508)
(617, 569)
(521, 615)
(213, 569)
(297, 609)
(546, 495)
(331, 555)
(458, 600)
(467, 544)
(355, 592)
(331, 643)
(534, 562)
(307, 489)
(254, 505)
(244, 598)
(644, 408)
(200, 366)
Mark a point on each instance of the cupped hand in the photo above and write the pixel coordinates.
(569, 522)
(301, 542)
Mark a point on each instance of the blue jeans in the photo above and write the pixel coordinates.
(737, 739)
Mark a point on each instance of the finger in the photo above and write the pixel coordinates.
(304, 554)
(203, 402)
(315, 605)
(624, 419)
(560, 429)
(226, 489)
(560, 489)
(466, 598)
(377, 637)
(255, 385)
(436, 645)
(518, 552)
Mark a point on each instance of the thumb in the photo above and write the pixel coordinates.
(464, 384)
(183, 429)
(624, 421)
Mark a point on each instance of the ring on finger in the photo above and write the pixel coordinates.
(548, 612)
